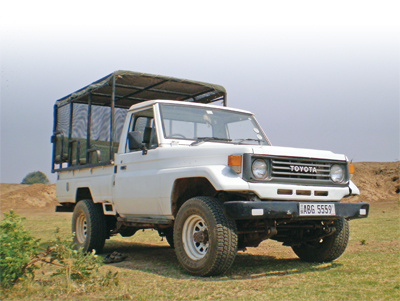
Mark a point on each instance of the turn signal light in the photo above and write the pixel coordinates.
(235, 163)
(351, 170)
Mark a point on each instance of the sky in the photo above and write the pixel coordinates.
(317, 74)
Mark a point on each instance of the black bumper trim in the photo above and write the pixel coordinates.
(289, 210)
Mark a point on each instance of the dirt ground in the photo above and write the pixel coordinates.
(377, 182)
(18, 196)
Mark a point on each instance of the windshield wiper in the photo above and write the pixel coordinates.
(205, 139)
(248, 139)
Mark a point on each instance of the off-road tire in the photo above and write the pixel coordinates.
(206, 258)
(89, 226)
(329, 248)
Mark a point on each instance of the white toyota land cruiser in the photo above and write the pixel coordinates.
(138, 151)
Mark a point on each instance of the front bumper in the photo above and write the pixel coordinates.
(302, 192)
(241, 210)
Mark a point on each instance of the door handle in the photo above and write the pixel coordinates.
(123, 167)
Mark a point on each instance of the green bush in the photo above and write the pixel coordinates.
(20, 256)
(36, 177)
(17, 248)
(75, 265)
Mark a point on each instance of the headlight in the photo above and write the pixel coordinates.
(337, 174)
(259, 169)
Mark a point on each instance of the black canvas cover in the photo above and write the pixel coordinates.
(88, 123)
(134, 87)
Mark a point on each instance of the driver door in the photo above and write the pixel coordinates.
(135, 191)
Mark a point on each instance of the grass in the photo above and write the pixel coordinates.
(368, 270)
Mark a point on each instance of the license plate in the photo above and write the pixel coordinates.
(317, 209)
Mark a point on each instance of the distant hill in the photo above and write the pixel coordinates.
(20, 196)
(377, 181)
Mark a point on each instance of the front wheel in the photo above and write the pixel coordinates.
(205, 239)
(327, 249)
(89, 226)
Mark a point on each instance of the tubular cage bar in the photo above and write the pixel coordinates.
(119, 90)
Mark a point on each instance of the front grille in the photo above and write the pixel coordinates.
(295, 168)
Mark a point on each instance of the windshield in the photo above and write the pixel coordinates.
(210, 124)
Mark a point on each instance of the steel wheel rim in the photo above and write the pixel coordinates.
(193, 227)
(81, 229)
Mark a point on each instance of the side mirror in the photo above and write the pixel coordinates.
(135, 142)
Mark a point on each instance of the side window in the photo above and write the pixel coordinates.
(143, 125)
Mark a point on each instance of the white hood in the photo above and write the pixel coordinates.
(297, 152)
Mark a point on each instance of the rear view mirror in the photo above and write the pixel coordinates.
(135, 141)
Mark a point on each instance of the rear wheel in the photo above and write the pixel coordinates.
(327, 249)
(205, 239)
(89, 226)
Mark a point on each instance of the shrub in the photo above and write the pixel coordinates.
(36, 177)
(17, 248)
(75, 265)
(20, 256)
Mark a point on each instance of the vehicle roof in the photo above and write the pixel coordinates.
(163, 101)
(135, 87)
